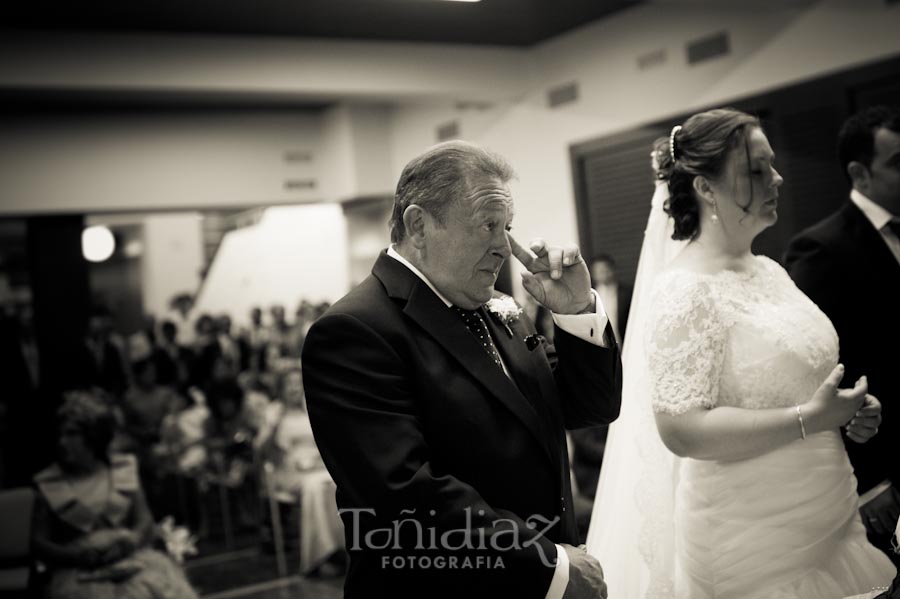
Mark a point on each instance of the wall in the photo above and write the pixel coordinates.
(293, 253)
(172, 258)
(354, 158)
(140, 161)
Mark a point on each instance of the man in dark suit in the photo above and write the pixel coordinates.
(102, 361)
(849, 264)
(441, 421)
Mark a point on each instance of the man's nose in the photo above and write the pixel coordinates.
(501, 245)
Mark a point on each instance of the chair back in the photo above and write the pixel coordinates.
(16, 506)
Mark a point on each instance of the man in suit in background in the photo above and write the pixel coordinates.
(442, 422)
(849, 264)
(616, 297)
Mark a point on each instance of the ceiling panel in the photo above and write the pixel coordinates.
(491, 22)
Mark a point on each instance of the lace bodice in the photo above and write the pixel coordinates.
(747, 339)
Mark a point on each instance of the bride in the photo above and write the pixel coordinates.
(725, 475)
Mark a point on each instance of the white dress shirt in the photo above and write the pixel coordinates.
(587, 327)
(880, 218)
(609, 294)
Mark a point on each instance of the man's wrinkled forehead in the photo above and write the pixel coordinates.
(489, 194)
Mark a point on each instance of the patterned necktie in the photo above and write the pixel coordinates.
(475, 323)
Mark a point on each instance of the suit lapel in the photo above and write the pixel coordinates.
(516, 357)
(518, 361)
(871, 244)
(445, 326)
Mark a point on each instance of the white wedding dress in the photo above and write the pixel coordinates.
(782, 525)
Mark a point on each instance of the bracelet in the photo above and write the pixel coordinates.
(800, 419)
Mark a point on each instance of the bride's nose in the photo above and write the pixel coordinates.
(777, 179)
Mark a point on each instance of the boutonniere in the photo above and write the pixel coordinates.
(506, 310)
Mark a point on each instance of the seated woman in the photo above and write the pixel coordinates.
(92, 527)
(298, 472)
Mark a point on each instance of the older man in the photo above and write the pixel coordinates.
(849, 264)
(440, 420)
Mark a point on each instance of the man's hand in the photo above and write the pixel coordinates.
(557, 277)
(880, 515)
(864, 425)
(585, 575)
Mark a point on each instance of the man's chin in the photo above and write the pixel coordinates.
(476, 300)
(487, 295)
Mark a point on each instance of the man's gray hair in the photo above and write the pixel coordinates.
(440, 176)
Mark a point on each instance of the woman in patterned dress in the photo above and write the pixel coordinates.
(92, 527)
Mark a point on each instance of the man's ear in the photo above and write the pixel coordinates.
(858, 174)
(414, 222)
(704, 190)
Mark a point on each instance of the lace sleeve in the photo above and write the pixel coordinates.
(686, 349)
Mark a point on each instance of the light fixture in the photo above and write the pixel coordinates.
(462, 0)
(97, 243)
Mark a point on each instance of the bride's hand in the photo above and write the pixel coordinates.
(831, 407)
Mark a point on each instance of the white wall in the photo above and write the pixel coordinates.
(293, 253)
(335, 156)
(103, 163)
(172, 258)
(354, 157)
(770, 47)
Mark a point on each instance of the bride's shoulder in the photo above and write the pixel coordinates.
(686, 274)
(682, 286)
(769, 265)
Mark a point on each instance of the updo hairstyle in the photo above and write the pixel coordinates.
(702, 146)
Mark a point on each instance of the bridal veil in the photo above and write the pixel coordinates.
(631, 531)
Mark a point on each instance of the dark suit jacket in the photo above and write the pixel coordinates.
(410, 413)
(844, 266)
(588, 445)
(623, 300)
(108, 374)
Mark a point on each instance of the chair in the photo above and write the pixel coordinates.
(274, 499)
(16, 507)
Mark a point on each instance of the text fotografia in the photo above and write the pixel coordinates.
(440, 562)
(498, 535)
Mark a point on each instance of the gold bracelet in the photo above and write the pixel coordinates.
(800, 419)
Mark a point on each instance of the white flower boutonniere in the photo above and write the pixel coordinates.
(505, 309)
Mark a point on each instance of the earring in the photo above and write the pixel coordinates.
(715, 215)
